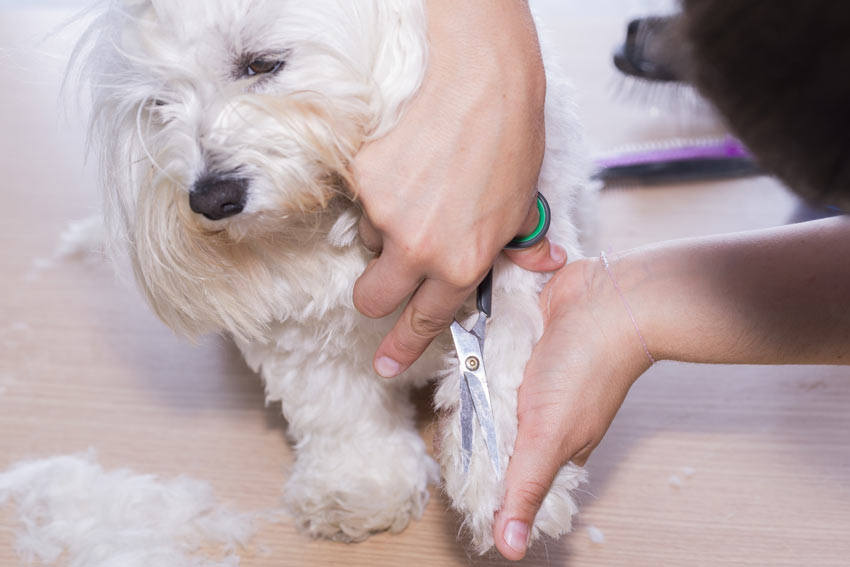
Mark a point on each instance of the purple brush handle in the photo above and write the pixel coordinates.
(729, 147)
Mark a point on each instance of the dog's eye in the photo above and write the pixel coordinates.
(263, 67)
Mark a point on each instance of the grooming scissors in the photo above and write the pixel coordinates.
(469, 344)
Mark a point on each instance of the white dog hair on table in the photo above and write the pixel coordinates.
(225, 130)
(75, 513)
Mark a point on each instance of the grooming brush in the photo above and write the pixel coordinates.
(676, 161)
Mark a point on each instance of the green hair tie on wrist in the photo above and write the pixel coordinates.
(539, 233)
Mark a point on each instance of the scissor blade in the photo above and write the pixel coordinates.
(466, 431)
(484, 411)
(469, 346)
(466, 343)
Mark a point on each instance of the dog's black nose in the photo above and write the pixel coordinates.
(217, 198)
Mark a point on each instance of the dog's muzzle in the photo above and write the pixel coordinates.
(217, 198)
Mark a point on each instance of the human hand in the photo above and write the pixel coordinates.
(576, 380)
(693, 300)
(440, 214)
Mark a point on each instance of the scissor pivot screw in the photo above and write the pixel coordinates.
(472, 363)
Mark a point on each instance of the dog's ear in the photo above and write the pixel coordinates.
(400, 58)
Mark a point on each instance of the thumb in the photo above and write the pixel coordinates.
(529, 475)
(544, 256)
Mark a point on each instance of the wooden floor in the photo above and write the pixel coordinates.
(703, 466)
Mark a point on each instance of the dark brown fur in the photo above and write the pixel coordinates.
(779, 71)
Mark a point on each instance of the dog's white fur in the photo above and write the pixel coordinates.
(172, 103)
(74, 513)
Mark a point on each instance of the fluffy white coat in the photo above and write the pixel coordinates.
(174, 102)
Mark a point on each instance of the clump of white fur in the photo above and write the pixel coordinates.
(70, 508)
(84, 239)
(596, 535)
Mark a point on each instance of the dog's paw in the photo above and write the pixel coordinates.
(478, 497)
(353, 505)
(476, 493)
(354, 516)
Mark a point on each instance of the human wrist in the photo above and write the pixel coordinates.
(665, 293)
(582, 304)
(620, 294)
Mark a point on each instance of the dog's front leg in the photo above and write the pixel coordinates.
(512, 332)
(361, 466)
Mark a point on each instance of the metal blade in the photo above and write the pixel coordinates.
(466, 343)
(484, 412)
(466, 430)
(474, 387)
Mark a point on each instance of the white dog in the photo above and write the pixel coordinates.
(225, 129)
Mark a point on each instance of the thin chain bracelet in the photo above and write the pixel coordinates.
(604, 260)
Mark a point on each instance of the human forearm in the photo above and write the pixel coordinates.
(480, 111)
(777, 296)
(487, 47)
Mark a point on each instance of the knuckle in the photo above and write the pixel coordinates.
(367, 310)
(405, 350)
(531, 494)
(368, 304)
(468, 279)
(465, 274)
(419, 246)
(425, 325)
(417, 253)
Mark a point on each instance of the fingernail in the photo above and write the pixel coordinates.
(387, 367)
(557, 252)
(516, 535)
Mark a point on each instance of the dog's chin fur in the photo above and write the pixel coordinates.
(174, 105)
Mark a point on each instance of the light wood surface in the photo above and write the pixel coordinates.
(762, 454)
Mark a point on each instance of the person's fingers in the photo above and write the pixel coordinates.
(383, 286)
(429, 312)
(545, 256)
(529, 475)
(369, 235)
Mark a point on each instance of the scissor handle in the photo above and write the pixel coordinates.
(485, 294)
(485, 288)
(544, 216)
